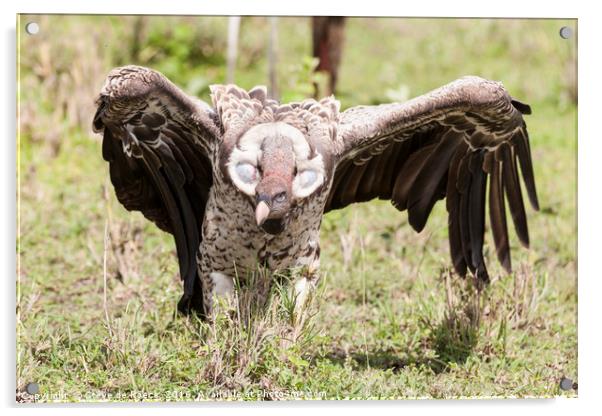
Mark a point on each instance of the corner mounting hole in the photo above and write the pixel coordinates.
(566, 32)
(32, 28)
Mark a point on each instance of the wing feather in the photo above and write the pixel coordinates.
(476, 214)
(424, 191)
(526, 164)
(464, 214)
(408, 175)
(178, 210)
(158, 143)
(446, 144)
(497, 213)
(513, 193)
(453, 208)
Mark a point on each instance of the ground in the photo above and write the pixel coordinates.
(98, 286)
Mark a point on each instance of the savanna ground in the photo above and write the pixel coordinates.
(97, 316)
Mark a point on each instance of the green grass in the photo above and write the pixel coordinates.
(389, 322)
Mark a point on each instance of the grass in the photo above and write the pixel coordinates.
(389, 321)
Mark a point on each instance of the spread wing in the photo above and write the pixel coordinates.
(444, 144)
(158, 142)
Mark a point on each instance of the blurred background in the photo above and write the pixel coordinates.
(382, 59)
(385, 323)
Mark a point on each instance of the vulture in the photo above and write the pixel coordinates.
(244, 182)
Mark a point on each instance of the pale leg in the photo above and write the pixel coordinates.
(307, 282)
(221, 293)
(304, 290)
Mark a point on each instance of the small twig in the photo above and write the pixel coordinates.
(232, 51)
(273, 58)
(104, 276)
(105, 194)
(364, 299)
(449, 294)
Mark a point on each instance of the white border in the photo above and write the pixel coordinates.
(589, 171)
(513, 8)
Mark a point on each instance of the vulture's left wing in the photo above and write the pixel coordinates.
(158, 142)
(442, 145)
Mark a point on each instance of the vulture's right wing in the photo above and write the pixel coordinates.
(158, 142)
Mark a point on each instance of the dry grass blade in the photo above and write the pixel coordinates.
(105, 305)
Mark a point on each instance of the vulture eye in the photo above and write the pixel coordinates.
(246, 172)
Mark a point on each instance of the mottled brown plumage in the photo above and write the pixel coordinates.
(246, 181)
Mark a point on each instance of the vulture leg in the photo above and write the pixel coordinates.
(218, 291)
(306, 282)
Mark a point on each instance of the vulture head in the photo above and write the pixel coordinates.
(274, 165)
(277, 155)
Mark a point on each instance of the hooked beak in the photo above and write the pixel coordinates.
(261, 212)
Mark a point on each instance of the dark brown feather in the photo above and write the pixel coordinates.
(352, 182)
(513, 193)
(526, 166)
(476, 214)
(424, 191)
(497, 216)
(453, 209)
(372, 179)
(407, 176)
(464, 217)
(153, 165)
(522, 107)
